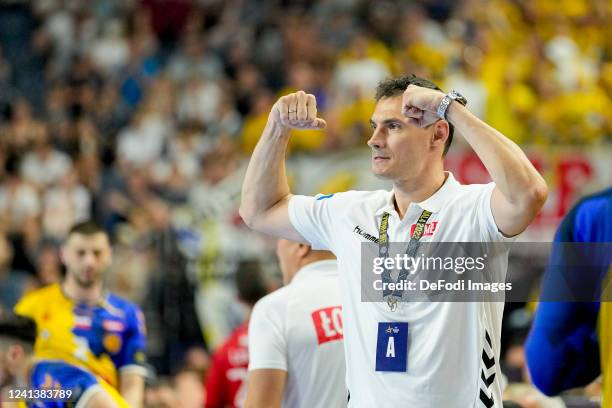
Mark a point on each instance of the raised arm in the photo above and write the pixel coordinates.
(520, 190)
(265, 190)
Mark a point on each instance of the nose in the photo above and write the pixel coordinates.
(89, 259)
(377, 141)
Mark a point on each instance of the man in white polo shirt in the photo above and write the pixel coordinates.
(417, 354)
(296, 355)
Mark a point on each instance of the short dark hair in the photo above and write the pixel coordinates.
(88, 227)
(391, 87)
(250, 282)
(17, 328)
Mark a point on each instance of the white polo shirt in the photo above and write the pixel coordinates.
(453, 348)
(298, 329)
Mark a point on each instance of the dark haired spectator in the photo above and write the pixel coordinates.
(13, 283)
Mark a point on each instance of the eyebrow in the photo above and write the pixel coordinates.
(386, 121)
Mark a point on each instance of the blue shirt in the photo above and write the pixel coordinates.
(562, 348)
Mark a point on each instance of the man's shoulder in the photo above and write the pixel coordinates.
(46, 293)
(596, 203)
(274, 300)
(589, 219)
(352, 197)
(118, 305)
(270, 310)
(470, 188)
(352, 194)
(467, 194)
(233, 341)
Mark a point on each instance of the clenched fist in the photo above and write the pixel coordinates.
(297, 111)
(420, 105)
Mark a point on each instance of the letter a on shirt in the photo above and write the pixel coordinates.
(392, 346)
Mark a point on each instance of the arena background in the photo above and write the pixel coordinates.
(142, 115)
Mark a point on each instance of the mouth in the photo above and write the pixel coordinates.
(89, 272)
(379, 159)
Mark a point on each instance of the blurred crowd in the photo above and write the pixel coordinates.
(140, 113)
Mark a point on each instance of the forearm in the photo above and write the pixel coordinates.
(265, 183)
(509, 167)
(134, 398)
(265, 388)
(132, 390)
(561, 349)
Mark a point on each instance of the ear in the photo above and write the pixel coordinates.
(440, 134)
(303, 250)
(62, 254)
(15, 353)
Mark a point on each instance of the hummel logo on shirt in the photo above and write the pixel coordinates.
(359, 231)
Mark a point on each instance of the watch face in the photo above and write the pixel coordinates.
(458, 97)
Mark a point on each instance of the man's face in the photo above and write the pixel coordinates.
(12, 357)
(86, 257)
(399, 150)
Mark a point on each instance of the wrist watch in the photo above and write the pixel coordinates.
(446, 101)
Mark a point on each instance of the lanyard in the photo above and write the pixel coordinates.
(392, 296)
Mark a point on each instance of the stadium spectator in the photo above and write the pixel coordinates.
(296, 354)
(188, 388)
(169, 294)
(13, 283)
(44, 166)
(110, 51)
(48, 264)
(19, 202)
(64, 205)
(20, 131)
(143, 141)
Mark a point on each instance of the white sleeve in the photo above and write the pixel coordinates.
(267, 342)
(315, 218)
(488, 228)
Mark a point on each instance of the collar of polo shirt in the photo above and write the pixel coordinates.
(433, 203)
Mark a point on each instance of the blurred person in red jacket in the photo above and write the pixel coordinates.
(225, 382)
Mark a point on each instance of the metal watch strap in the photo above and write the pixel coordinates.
(443, 107)
(446, 101)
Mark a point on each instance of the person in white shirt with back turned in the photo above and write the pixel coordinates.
(421, 354)
(296, 353)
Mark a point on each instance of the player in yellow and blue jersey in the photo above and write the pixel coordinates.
(81, 324)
